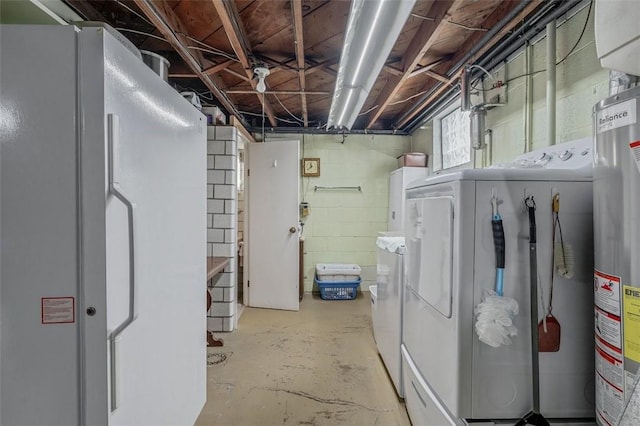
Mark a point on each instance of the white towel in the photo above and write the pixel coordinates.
(390, 244)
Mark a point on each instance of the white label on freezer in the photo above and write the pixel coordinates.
(618, 115)
(607, 292)
(608, 330)
(635, 152)
(58, 310)
(609, 401)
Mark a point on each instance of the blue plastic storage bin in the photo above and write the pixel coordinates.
(338, 290)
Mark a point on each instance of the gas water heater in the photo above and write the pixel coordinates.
(616, 214)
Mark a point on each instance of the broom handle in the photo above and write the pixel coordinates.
(533, 262)
(499, 247)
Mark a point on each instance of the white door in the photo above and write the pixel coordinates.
(273, 176)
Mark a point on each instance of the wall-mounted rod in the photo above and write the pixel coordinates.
(355, 188)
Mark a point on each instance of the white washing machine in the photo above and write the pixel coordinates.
(450, 376)
(390, 284)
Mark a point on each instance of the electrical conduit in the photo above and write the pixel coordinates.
(551, 83)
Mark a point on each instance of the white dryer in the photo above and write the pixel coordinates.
(450, 376)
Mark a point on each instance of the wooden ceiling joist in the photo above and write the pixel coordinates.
(424, 38)
(323, 66)
(215, 69)
(430, 66)
(296, 8)
(237, 37)
(438, 77)
(221, 42)
(237, 74)
(393, 70)
(169, 25)
(409, 114)
(278, 92)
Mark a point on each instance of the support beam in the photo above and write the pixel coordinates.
(323, 66)
(430, 66)
(426, 35)
(235, 33)
(278, 92)
(392, 70)
(473, 40)
(237, 74)
(438, 77)
(296, 8)
(169, 25)
(217, 68)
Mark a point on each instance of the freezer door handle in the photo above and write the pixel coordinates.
(113, 128)
(113, 122)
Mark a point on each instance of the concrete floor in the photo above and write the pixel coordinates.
(318, 366)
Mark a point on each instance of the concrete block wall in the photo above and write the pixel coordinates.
(222, 223)
(343, 225)
(580, 84)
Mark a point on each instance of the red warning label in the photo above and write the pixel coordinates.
(607, 292)
(635, 152)
(58, 310)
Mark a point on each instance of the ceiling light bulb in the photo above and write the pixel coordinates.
(261, 73)
(261, 87)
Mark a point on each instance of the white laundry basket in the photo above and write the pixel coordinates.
(338, 281)
(337, 271)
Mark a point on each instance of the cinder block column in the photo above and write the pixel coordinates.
(222, 222)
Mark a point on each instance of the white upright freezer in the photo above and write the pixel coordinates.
(398, 181)
(103, 276)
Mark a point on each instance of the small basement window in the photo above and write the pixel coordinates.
(451, 139)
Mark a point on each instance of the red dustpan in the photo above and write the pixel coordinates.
(549, 334)
(549, 327)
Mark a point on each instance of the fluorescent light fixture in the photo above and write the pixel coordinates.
(372, 31)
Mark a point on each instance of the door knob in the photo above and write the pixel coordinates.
(293, 229)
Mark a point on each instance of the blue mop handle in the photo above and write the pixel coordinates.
(499, 281)
(499, 245)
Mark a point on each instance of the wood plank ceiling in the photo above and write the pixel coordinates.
(214, 45)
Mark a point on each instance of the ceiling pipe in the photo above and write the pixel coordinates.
(485, 39)
(518, 39)
(489, 35)
(551, 82)
(515, 41)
